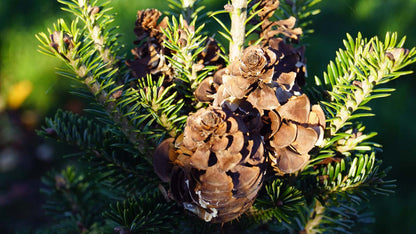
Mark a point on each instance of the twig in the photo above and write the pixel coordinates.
(238, 18)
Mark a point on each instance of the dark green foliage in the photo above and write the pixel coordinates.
(111, 157)
(74, 201)
(341, 218)
(143, 214)
(76, 130)
(279, 202)
(153, 105)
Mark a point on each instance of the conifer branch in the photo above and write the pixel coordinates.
(110, 106)
(238, 28)
(91, 16)
(90, 55)
(99, 146)
(189, 9)
(144, 214)
(280, 202)
(161, 103)
(356, 72)
(72, 201)
(187, 42)
(75, 130)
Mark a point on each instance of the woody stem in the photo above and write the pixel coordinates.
(238, 18)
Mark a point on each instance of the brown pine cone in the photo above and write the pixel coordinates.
(285, 27)
(146, 24)
(292, 130)
(290, 60)
(268, 8)
(252, 75)
(149, 55)
(207, 90)
(271, 28)
(219, 165)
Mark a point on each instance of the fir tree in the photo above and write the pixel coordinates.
(191, 134)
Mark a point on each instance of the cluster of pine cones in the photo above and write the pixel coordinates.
(257, 117)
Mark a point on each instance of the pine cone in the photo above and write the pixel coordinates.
(270, 28)
(292, 130)
(219, 165)
(216, 167)
(268, 8)
(267, 80)
(208, 88)
(284, 27)
(252, 75)
(290, 60)
(149, 56)
(146, 24)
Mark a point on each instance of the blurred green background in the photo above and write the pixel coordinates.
(30, 90)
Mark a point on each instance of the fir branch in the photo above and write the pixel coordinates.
(110, 156)
(341, 185)
(280, 202)
(95, 19)
(90, 56)
(187, 42)
(338, 216)
(118, 169)
(356, 72)
(354, 175)
(73, 202)
(356, 141)
(75, 130)
(346, 219)
(189, 9)
(144, 214)
(340, 177)
(152, 102)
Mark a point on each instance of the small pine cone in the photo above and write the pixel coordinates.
(149, 55)
(146, 24)
(255, 66)
(219, 165)
(256, 62)
(291, 131)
